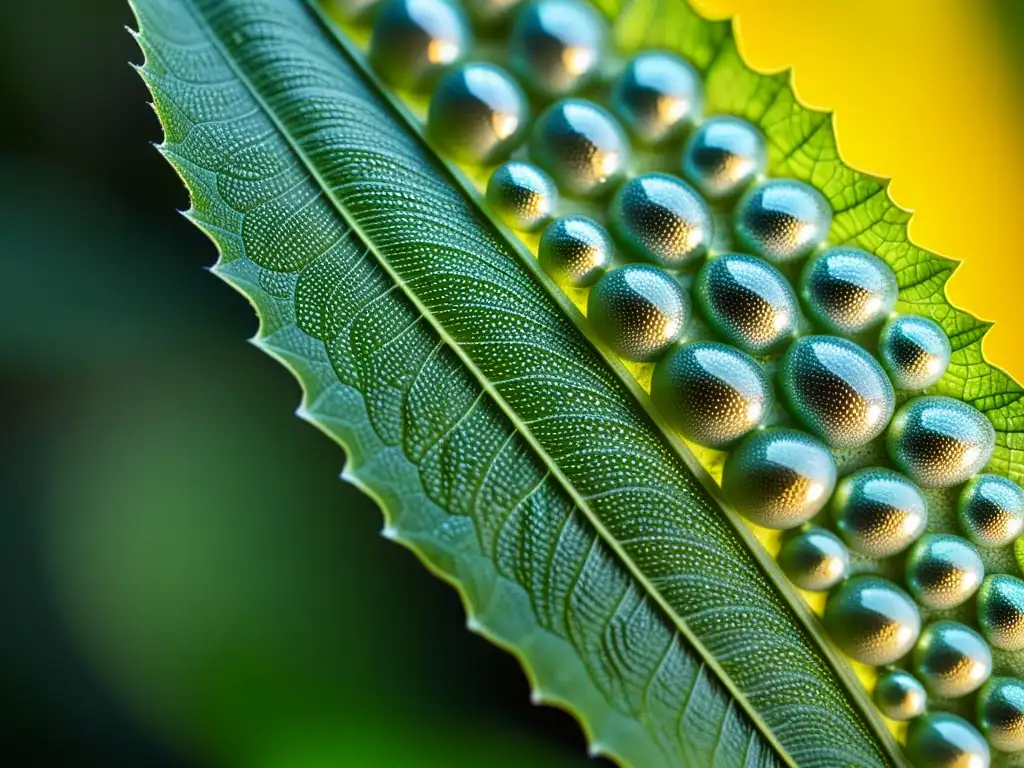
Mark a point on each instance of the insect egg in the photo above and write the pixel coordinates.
(779, 478)
(711, 393)
(1001, 611)
(723, 156)
(748, 301)
(991, 510)
(556, 46)
(814, 559)
(899, 695)
(847, 290)
(915, 351)
(878, 512)
(657, 96)
(782, 220)
(1001, 713)
(477, 114)
(575, 251)
(945, 740)
(582, 146)
(942, 571)
(522, 195)
(414, 41)
(940, 442)
(951, 659)
(872, 620)
(639, 311)
(660, 219)
(837, 390)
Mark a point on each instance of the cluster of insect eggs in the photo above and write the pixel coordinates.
(716, 393)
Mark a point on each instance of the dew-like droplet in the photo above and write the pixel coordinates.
(848, 291)
(575, 251)
(1001, 611)
(945, 740)
(522, 195)
(1001, 713)
(878, 512)
(657, 97)
(991, 510)
(915, 351)
(899, 695)
(814, 559)
(415, 41)
(951, 659)
(782, 220)
(723, 156)
(943, 571)
(556, 46)
(872, 620)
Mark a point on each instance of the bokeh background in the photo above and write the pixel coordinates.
(184, 580)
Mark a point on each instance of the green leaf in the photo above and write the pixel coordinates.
(502, 447)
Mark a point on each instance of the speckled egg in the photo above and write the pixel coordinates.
(915, 351)
(814, 559)
(991, 510)
(657, 97)
(575, 251)
(1001, 713)
(1001, 611)
(723, 156)
(951, 659)
(522, 195)
(782, 220)
(945, 740)
(556, 46)
(848, 291)
(943, 571)
(872, 620)
(415, 41)
(878, 512)
(899, 695)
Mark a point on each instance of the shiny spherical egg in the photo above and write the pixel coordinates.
(710, 393)
(951, 659)
(1001, 713)
(943, 571)
(940, 442)
(837, 390)
(556, 46)
(779, 478)
(582, 146)
(660, 219)
(878, 512)
(723, 156)
(945, 740)
(522, 195)
(657, 96)
(815, 559)
(991, 510)
(872, 620)
(899, 695)
(915, 351)
(848, 291)
(782, 220)
(1001, 611)
(415, 41)
(639, 311)
(575, 251)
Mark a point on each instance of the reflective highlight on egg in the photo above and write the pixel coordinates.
(991, 510)
(951, 659)
(779, 478)
(872, 620)
(940, 442)
(815, 559)
(945, 740)
(878, 512)
(782, 220)
(582, 146)
(660, 219)
(414, 41)
(711, 393)
(847, 290)
(522, 195)
(942, 570)
(914, 350)
(575, 251)
(657, 96)
(639, 311)
(899, 695)
(723, 156)
(477, 114)
(747, 301)
(1001, 611)
(556, 46)
(1001, 713)
(837, 390)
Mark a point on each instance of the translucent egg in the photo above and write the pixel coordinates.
(991, 510)
(915, 351)
(723, 156)
(1001, 713)
(951, 659)
(711, 393)
(847, 290)
(782, 220)
(943, 571)
(815, 559)
(415, 41)
(490, 14)
(945, 740)
(660, 219)
(522, 196)
(478, 114)
(1001, 611)
(575, 251)
(556, 46)
(872, 620)
(837, 390)
(747, 301)
(582, 146)
(878, 512)
(899, 695)
(657, 97)
(639, 311)
(779, 478)
(940, 442)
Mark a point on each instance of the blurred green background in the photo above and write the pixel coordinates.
(185, 581)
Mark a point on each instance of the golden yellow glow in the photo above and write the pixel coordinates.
(442, 51)
(670, 109)
(577, 61)
(504, 124)
(814, 492)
